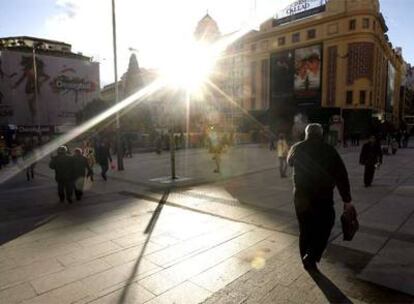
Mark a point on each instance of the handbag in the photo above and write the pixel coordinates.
(350, 224)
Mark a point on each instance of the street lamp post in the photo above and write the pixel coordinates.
(36, 87)
(120, 163)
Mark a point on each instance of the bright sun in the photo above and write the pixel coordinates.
(189, 65)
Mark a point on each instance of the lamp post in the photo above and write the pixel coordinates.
(120, 163)
(36, 87)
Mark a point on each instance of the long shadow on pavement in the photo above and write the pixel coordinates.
(332, 293)
(148, 230)
(18, 228)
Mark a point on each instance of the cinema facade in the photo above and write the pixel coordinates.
(327, 60)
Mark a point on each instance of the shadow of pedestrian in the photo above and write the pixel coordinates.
(332, 293)
(148, 230)
(15, 229)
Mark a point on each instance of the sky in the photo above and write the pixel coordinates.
(153, 27)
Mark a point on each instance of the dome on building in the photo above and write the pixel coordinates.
(207, 29)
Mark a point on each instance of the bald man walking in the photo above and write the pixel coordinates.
(318, 169)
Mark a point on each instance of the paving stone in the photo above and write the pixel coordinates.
(130, 254)
(126, 272)
(134, 294)
(64, 295)
(168, 278)
(220, 275)
(87, 254)
(363, 242)
(17, 293)
(32, 271)
(130, 240)
(182, 250)
(185, 293)
(68, 275)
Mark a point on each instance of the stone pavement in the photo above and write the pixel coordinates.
(231, 241)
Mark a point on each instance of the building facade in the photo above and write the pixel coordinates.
(323, 58)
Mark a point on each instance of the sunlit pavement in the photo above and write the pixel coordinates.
(232, 240)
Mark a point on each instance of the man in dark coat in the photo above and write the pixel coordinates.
(103, 157)
(81, 168)
(318, 168)
(63, 166)
(370, 157)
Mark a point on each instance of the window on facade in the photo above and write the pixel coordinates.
(311, 34)
(362, 97)
(253, 71)
(265, 82)
(370, 98)
(253, 103)
(374, 25)
(352, 24)
(281, 41)
(365, 23)
(296, 37)
(349, 97)
(253, 47)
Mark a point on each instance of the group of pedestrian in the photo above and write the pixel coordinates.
(71, 170)
(70, 173)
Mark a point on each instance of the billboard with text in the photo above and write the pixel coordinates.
(64, 86)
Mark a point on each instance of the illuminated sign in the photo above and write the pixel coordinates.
(299, 9)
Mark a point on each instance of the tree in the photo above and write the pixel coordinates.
(91, 110)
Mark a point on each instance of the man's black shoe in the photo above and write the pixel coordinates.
(309, 264)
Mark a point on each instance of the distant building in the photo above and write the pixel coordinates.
(65, 83)
(207, 30)
(321, 59)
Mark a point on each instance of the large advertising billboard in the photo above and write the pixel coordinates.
(64, 86)
(308, 62)
(281, 76)
(390, 87)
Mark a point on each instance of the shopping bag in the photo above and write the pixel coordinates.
(350, 224)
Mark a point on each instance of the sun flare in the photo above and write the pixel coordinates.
(189, 66)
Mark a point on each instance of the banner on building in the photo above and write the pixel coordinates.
(282, 76)
(64, 86)
(390, 87)
(308, 64)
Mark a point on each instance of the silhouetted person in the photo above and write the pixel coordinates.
(28, 151)
(63, 166)
(103, 158)
(158, 144)
(370, 157)
(216, 147)
(282, 152)
(405, 138)
(318, 168)
(81, 169)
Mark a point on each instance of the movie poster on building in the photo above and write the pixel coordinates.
(308, 64)
(390, 87)
(64, 86)
(281, 76)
